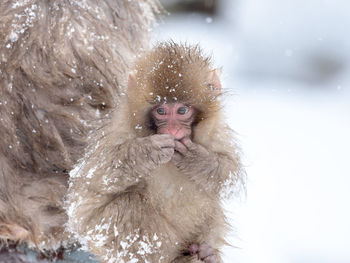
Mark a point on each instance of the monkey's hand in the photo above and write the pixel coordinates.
(153, 150)
(194, 159)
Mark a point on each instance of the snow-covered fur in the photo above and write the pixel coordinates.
(124, 207)
(63, 64)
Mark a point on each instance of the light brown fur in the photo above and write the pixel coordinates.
(63, 66)
(125, 202)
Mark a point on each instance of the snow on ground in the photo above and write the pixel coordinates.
(287, 68)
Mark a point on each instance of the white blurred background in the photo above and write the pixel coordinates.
(286, 64)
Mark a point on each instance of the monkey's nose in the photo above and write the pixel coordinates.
(177, 133)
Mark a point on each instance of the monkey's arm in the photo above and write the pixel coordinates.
(113, 168)
(212, 170)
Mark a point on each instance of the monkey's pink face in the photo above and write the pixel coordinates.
(174, 118)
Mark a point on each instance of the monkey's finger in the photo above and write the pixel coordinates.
(163, 140)
(181, 148)
(166, 155)
(168, 151)
(193, 249)
(206, 253)
(177, 157)
(163, 136)
(189, 144)
(166, 144)
(209, 259)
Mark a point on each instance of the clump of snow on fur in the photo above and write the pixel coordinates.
(29, 14)
(227, 189)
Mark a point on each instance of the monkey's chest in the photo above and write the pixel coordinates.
(178, 198)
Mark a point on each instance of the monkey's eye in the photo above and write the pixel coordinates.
(161, 111)
(182, 110)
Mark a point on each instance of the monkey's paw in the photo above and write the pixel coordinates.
(161, 148)
(204, 252)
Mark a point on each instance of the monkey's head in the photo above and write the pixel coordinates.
(172, 89)
(174, 118)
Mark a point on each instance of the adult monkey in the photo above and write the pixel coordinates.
(63, 65)
(150, 191)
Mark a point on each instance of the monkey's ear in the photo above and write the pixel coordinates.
(214, 80)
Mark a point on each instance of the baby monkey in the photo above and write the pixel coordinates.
(150, 191)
